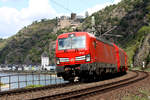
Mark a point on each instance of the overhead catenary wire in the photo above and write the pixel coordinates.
(66, 8)
(60, 5)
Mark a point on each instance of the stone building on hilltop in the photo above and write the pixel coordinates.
(73, 21)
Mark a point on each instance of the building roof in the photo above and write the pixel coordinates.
(44, 54)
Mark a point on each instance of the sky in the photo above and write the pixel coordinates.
(15, 14)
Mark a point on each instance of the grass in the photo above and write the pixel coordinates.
(135, 68)
(140, 95)
(147, 69)
(33, 86)
(140, 69)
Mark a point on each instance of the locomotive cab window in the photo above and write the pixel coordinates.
(72, 42)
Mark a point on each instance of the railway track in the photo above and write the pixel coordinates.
(70, 91)
(25, 90)
(96, 89)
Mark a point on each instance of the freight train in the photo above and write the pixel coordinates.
(82, 55)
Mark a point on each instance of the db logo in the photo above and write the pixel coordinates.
(72, 59)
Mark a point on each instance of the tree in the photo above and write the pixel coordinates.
(1, 39)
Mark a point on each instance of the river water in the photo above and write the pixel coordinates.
(20, 81)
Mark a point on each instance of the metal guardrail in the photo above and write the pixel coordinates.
(24, 80)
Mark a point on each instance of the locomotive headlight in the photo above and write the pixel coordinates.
(88, 58)
(57, 61)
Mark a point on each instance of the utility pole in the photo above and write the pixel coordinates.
(93, 24)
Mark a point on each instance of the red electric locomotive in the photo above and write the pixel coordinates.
(82, 55)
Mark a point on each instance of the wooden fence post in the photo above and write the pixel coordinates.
(18, 81)
(45, 79)
(26, 79)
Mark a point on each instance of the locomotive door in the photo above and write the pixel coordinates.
(94, 51)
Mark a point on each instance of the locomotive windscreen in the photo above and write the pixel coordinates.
(72, 42)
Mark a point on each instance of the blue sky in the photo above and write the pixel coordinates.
(15, 14)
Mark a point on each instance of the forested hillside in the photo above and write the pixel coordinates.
(29, 43)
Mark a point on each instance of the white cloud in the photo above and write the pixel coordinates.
(11, 19)
(116, 1)
(40, 9)
(99, 7)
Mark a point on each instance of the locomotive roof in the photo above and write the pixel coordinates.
(91, 35)
(66, 34)
(104, 41)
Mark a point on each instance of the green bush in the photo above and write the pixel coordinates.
(33, 86)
